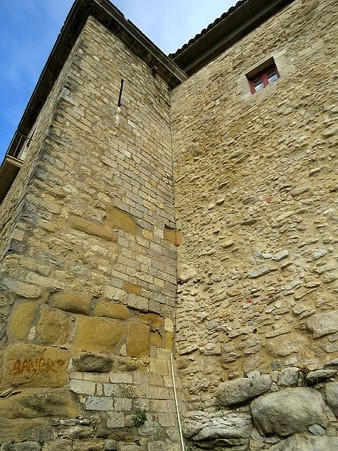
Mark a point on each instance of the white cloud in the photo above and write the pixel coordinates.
(170, 24)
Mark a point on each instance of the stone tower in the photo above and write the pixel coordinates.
(168, 246)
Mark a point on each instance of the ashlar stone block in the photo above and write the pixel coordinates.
(53, 326)
(115, 420)
(138, 336)
(36, 404)
(35, 366)
(112, 310)
(72, 301)
(20, 320)
(109, 337)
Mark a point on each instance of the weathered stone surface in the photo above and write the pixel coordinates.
(333, 363)
(288, 411)
(50, 283)
(20, 428)
(35, 366)
(288, 377)
(92, 228)
(322, 324)
(20, 320)
(111, 171)
(92, 363)
(83, 387)
(331, 396)
(21, 289)
(112, 310)
(115, 294)
(40, 403)
(300, 442)
(155, 339)
(241, 390)
(88, 445)
(261, 271)
(110, 445)
(168, 342)
(22, 446)
(87, 337)
(268, 215)
(131, 288)
(287, 344)
(138, 339)
(72, 301)
(127, 364)
(186, 273)
(316, 429)
(173, 236)
(75, 431)
(156, 322)
(100, 403)
(57, 445)
(52, 327)
(115, 420)
(314, 377)
(121, 220)
(217, 429)
(280, 255)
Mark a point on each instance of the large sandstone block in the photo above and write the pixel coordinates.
(241, 390)
(121, 220)
(156, 322)
(155, 339)
(53, 327)
(112, 310)
(98, 334)
(92, 363)
(93, 228)
(131, 288)
(138, 339)
(37, 404)
(35, 366)
(20, 320)
(168, 341)
(288, 411)
(173, 236)
(22, 289)
(17, 428)
(71, 301)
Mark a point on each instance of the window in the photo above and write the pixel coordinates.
(263, 76)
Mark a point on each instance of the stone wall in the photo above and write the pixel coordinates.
(89, 281)
(13, 208)
(256, 202)
(88, 251)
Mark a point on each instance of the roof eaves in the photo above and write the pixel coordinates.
(232, 26)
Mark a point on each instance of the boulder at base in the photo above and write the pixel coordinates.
(242, 389)
(288, 411)
(230, 430)
(305, 442)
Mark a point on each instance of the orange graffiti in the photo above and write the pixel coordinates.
(38, 365)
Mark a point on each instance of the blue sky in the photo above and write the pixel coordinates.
(29, 28)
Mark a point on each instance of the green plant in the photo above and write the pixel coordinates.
(139, 418)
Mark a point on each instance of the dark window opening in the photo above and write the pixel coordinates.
(263, 76)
